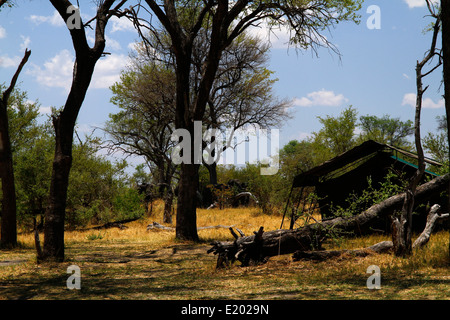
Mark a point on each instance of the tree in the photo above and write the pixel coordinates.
(402, 225)
(388, 130)
(225, 22)
(145, 123)
(445, 17)
(64, 122)
(241, 96)
(337, 134)
(437, 145)
(7, 2)
(9, 205)
(295, 158)
(32, 145)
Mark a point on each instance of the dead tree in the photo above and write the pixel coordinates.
(432, 218)
(258, 248)
(445, 17)
(402, 225)
(8, 207)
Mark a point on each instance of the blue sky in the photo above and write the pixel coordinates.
(375, 74)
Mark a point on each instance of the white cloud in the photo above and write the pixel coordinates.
(321, 98)
(427, 103)
(278, 37)
(45, 110)
(54, 20)
(418, 3)
(8, 62)
(107, 71)
(56, 72)
(87, 128)
(2, 32)
(112, 44)
(121, 24)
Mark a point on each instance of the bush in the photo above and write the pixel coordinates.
(128, 205)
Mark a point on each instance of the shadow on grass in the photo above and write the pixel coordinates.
(113, 274)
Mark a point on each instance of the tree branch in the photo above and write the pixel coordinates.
(8, 91)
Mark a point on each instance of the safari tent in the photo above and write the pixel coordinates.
(349, 173)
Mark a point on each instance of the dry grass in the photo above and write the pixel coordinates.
(139, 264)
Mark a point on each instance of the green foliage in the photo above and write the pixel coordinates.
(337, 134)
(388, 130)
(436, 144)
(270, 190)
(97, 187)
(296, 157)
(94, 236)
(357, 202)
(32, 148)
(97, 190)
(128, 204)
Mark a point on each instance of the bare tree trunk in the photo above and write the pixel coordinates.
(432, 218)
(402, 226)
(8, 207)
(381, 247)
(212, 170)
(64, 125)
(186, 220)
(445, 17)
(168, 202)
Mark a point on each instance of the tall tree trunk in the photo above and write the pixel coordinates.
(186, 226)
(445, 18)
(186, 219)
(168, 202)
(64, 125)
(212, 170)
(9, 206)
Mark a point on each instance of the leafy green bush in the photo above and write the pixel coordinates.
(128, 204)
(358, 202)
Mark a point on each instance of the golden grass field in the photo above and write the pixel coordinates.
(138, 264)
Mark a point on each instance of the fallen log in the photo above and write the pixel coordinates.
(114, 224)
(432, 218)
(381, 247)
(259, 247)
(156, 225)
